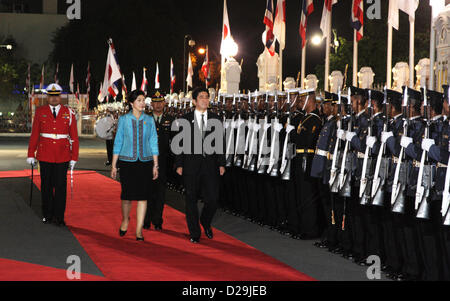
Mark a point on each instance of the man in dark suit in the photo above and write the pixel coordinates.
(200, 168)
(156, 200)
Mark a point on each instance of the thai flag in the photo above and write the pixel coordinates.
(268, 21)
(56, 74)
(157, 77)
(357, 20)
(205, 67)
(112, 75)
(88, 79)
(307, 9)
(172, 76)
(144, 83)
(41, 83)
(113, 49)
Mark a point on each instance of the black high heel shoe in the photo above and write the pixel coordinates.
(122, 233)
(140, 238)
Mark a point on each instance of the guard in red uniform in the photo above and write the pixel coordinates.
(54, 136)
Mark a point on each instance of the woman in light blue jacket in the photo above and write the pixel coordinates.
(136, 155)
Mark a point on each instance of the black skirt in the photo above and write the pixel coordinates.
(135, 179)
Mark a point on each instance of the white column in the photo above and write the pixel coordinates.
(355, 60)
(389, 59)
(411, 54)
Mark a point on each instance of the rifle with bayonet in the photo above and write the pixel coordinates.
(381, 166)
(274, 145)
(230, 141)
(253, 144)
(424, 179)
(367, 162)
(399, 189)
(265, 126)
(336, 154)
(346, 164)
(288, 147)
(238, 156)
(445, 208)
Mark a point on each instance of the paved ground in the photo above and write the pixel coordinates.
(301, 255)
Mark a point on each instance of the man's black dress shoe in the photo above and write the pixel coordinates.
(208, 232)
(347, 255)
(47, 220)
(146, 226)
(158, 227)
(336, 250)
(195, 240)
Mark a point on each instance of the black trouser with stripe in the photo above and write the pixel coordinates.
(53, 189)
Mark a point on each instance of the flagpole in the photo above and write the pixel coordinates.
(389, 58)
(281, 69)
(355, 59)
(303, 66)
(327, 51)
(411, 53)
(432, 50)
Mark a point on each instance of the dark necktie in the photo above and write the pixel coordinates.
(203, 134)
(54, 113)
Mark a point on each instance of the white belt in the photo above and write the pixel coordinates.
(54, 136)
(360, 155)
(321, 153)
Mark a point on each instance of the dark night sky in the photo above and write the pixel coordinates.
(246, 24)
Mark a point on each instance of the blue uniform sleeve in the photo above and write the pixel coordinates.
(413, 151)
(153, 138)
(390, 143)
(118, 141)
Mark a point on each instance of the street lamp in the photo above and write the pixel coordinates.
(191, 43)
(8, 47)
(316, 40)
(201, 51)
(229, 47)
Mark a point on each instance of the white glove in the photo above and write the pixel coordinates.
(385, 136)
(72, 164)
(31, 161)
(349, 136)
(341, 134)
(427, 143)
(405, 141)
(370, 141)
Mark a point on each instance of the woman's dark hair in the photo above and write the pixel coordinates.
(132, 96)
(197, 91)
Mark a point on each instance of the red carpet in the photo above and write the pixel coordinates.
(11, 270)
(94, 217)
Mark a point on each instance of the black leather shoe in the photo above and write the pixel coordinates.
(208, 232)
(122, 233)
(195, 240)
(47, 220)
(347, 255)
(146, 226)
(158, 227)
(336, 250)
(140, 238)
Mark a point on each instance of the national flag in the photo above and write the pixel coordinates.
(41, 83)
(357, 19)
(205, 67)
(71, 80)
(157, 86)
(124, 91)
(100, 97)
(56, 73)
(408, 6)
(279, 26)
(133, 83)
(307, 9)
(110, 42)
(190, 74)
(326, 18)
(112, 75)
(144, 83)
(226, 33)
(88, 79)
(268, 21)
(77, 94)
(172, 76)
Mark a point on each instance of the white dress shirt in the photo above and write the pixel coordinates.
(198, 116)
(56, 109)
